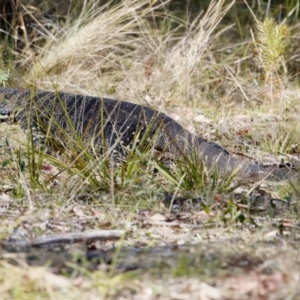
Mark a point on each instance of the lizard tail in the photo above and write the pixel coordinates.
(227, 164)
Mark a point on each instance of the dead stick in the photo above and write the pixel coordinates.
(68, 238)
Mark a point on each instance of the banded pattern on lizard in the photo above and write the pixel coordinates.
(115, 125)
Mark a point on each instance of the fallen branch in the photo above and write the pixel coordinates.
(67, 238)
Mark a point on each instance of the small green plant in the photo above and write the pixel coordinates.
(271, 46)
(4, 76)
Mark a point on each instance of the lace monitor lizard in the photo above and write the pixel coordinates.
(117, 123)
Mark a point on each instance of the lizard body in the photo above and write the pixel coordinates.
(115, 124)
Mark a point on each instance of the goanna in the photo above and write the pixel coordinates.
(117, 125)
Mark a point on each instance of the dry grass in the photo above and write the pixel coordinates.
(119, 52)
(139, 51)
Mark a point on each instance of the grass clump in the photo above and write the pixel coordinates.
(272, 43)
(191, 176)
(35, 283)
(112, 49)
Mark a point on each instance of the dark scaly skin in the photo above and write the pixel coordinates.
(118, 122)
